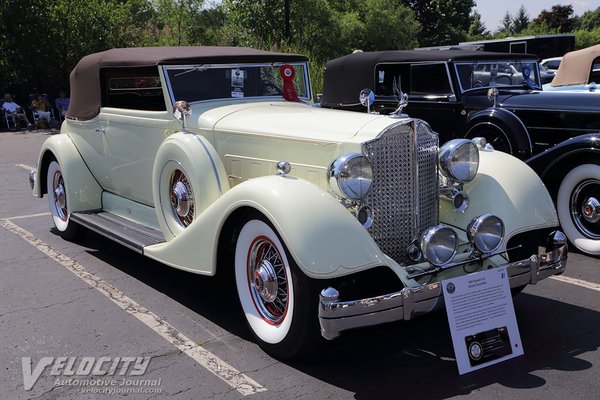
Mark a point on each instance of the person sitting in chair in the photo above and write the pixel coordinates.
(14, 111)
(62, 103)
(41, 106)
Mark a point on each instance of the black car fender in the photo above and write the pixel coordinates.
(553, 164)
(507, 123)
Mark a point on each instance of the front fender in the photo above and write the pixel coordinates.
(514, 128)
(324, 239)
(83, 191)
(508, 188)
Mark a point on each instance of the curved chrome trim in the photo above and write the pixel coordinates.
(213, 164)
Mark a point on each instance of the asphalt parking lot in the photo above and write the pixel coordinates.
(98, 299)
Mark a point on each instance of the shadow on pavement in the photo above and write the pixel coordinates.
(411, 359)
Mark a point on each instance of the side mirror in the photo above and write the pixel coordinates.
(366, 98)
(182, 111)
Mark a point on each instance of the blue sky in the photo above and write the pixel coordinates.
(492, 11)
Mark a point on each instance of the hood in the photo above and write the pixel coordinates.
(558, 101)
(294, 120)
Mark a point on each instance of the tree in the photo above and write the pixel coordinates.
(443, 21)
(506, 26)
(590, 20)
(521, 21)
(477, 30)
(559, 17)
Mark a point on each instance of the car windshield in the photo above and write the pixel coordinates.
(479, 74)
(194, 83)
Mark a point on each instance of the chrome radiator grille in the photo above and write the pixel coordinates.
(404, 195)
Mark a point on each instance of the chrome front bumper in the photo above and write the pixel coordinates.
(336, 316)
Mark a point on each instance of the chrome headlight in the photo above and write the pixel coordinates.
(459, 160)
(485, 233)
(350, 176)
(439, 245)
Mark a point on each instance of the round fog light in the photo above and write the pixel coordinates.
(439, 245)
(485, 233)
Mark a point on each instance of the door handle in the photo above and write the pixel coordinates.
(100, 130)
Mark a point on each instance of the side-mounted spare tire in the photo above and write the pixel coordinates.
(187, 177)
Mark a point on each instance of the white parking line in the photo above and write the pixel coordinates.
(237, 380)
(578, 282)
(26, 167)
(29, 216)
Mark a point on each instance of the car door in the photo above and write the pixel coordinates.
(432, 97)
(133, 123)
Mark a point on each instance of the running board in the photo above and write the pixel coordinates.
(121, 230)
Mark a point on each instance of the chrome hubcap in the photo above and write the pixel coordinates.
(181, 198)
(585, 208)
(267, 279)
(60, 198)
(591, 209)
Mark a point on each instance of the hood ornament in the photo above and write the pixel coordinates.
(401, 98)
(492, 95)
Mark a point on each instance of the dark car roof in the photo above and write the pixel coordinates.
(346, 76)
(85, 77)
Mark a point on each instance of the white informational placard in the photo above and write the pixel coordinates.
(482, 319)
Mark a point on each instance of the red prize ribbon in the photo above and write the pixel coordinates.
(288, 73)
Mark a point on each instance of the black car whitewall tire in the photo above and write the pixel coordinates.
(280, 318)
(580, 185)
(57, 202)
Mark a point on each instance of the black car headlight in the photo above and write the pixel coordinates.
(459, 160)
(351, 176)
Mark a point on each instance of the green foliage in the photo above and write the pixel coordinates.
(478, 30)
(42, 40)
(444, 21)
(586, 38)
(520, 21)
(590, 20)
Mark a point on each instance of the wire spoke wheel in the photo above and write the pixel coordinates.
(268, 281)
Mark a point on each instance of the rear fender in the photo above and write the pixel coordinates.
(83, 191)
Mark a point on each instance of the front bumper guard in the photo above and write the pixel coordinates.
(336, 316)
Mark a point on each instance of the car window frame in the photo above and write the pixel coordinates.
(169, 87)
(416, 98)
(484, 61)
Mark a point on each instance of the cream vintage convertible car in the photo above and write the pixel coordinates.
(322, 216)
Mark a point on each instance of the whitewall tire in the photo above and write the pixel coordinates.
(578, 207)
(57, 202)
(277, 300)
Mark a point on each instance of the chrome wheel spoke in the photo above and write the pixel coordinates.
(268, 280)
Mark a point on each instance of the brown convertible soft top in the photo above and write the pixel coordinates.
(85, 77)
(575, 67)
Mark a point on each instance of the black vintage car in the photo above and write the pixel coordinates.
(497, 96)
